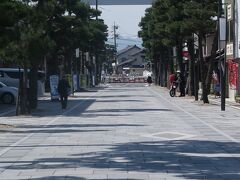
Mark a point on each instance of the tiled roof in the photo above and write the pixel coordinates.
(126, 49)
(141, 50)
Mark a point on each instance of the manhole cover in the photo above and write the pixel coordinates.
(169, 135)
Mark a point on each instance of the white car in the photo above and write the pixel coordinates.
(8, 95)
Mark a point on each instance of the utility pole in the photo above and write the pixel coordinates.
(115, 35)
(115, 27)
(222, 61)
(93, 64)
(96, 9)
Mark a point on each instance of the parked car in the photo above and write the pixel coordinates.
(11, 76)
(8, 95)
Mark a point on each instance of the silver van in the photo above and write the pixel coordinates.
(10, 77)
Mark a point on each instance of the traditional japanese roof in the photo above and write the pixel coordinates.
(140, 51)
(127, 49)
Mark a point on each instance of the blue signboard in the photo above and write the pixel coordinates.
(53, 87)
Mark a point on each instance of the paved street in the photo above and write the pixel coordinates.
(125, 131)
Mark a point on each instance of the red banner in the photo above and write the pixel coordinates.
(232, 74)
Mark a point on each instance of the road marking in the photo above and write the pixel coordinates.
(52, 121)
(195, 117)
(181, 136)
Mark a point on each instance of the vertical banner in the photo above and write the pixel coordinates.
(53, 87)
(233, 74)
(69, 79)
(75, 81)
(83, 81)
(93, 80)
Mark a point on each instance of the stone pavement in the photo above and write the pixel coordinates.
(126, 131)
(229, 102)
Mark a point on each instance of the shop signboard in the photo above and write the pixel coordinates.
(229, 49)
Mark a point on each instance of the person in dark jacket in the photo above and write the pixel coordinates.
(63, 90)
(149, 80)
(182, 83)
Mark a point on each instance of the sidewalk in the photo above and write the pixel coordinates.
(217, 99)
(228, 102)
(124, 132)
(212, 99)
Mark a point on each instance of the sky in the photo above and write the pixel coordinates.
(127, 18)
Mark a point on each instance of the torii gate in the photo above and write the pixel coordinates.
(119, 2)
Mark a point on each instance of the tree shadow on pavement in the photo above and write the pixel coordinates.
(123, 89)
(126, 110)
(48, 108)
(74, 178)
(64, 128)
(59, 178)
(124, 100)
(78, 108)
(188, 159)
(117, 96)
(75, 107)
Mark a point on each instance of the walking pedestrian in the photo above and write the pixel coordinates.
(149, 80)
(63, 90)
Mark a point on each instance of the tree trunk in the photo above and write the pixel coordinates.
(203, 72)
(161, 73)
(97, 73)
(196, 79)
(207, 70)
(156, 71)
(165, 74)
(179, 55)
(191, 67)
(170, 61)
(33, 87)
(23, 92)
(211, 62)
(52, 65)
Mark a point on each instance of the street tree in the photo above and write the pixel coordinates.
(162, 28)
(200, 19)
(171, 23)
(34, 30)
